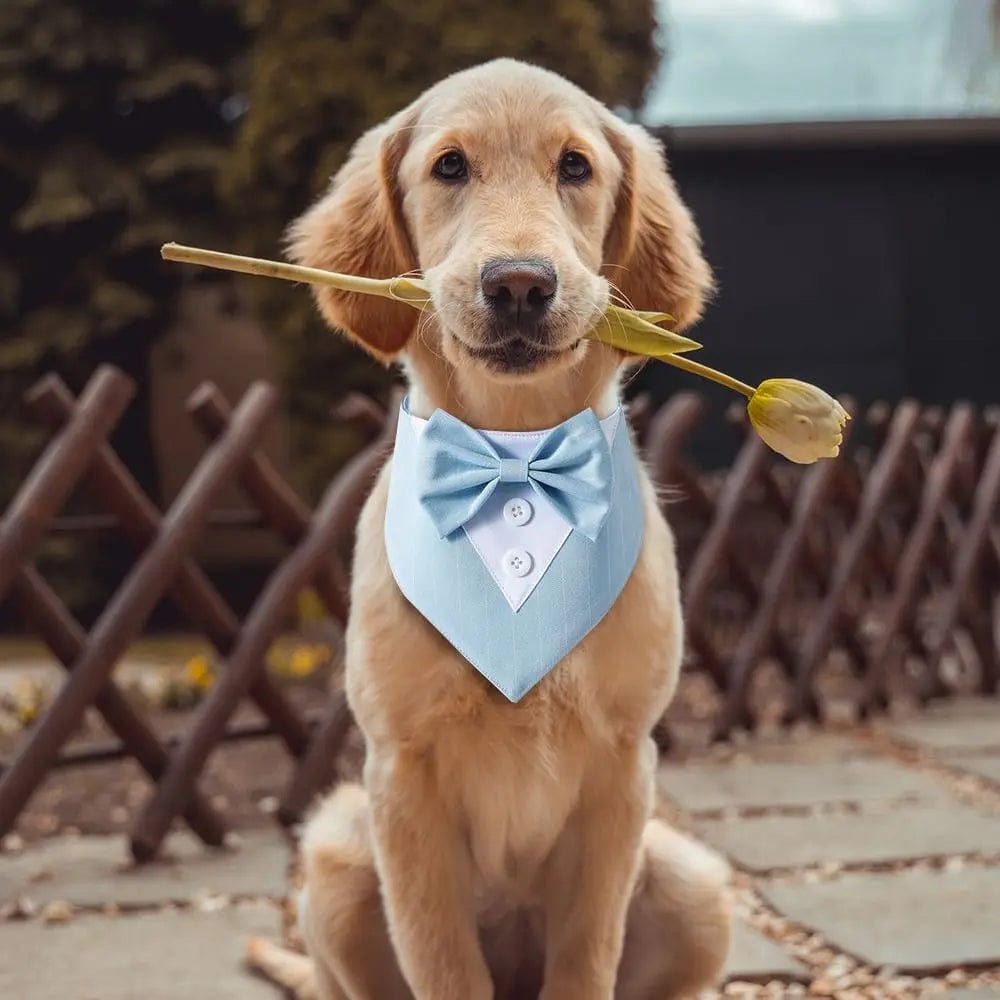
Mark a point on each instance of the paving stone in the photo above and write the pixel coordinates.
(748, 785)
(915, 920)
(754, 956)
(970, 724)
(963, 706)
(89, 871)
(810, 747)
(981, 764)
(766, 842)
(166, 955)
(985, 993)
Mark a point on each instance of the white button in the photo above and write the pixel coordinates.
(517, 562)
(518, 511)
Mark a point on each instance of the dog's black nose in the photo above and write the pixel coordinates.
(519, 291)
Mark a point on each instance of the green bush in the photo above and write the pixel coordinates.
(116, 119)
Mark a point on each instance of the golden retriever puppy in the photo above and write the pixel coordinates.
(502, 849)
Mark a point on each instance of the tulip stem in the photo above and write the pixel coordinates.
(685, 363)
(386, 287)
(276, 269)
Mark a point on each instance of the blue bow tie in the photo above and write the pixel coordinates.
(458, 469)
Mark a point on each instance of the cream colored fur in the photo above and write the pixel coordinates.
(498, 849)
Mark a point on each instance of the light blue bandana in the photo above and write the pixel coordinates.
(513, 545)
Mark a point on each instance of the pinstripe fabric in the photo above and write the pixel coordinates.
(446, 581)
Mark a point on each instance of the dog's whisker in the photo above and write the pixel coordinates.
(621, 296)
(423, 327)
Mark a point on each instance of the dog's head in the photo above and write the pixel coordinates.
(526, 204)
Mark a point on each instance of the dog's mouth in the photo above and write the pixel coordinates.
(517, 355)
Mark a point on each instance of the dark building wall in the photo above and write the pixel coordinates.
(869, 267)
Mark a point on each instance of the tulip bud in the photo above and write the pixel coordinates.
(798, 420)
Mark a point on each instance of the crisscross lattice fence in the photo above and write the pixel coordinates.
(845, 583)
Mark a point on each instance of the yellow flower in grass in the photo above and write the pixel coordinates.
(309, 606)
(797, 419)
(27, 712)
(199, 672)
(305, 659)
(30, 697)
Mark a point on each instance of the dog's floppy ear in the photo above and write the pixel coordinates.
(653, 251)
(357, 227)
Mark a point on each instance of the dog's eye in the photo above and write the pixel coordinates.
(451, 167)
(573, 168)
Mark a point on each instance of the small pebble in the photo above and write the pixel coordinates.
(57, 912)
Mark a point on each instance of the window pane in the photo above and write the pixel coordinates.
(734, 61)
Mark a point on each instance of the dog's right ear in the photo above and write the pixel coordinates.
(357, 227)
(653, 251)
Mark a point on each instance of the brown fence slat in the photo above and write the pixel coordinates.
(247, 659)
(60, 467)
(669, 428)
(189, 588)
(815, 489)
(279, 504)
(714, 548)
(962, 602)
(639, 411)
(315, 770)
(101, 751)
(64, 635)
(107, 524)
(898, 621)
(126, 612)
(824, 624)
(362, 411)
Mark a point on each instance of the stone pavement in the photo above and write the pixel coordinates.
(866, 864)
(86, 925)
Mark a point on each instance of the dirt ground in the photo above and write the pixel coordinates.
(243, 779)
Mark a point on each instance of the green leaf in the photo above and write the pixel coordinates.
(632, 331)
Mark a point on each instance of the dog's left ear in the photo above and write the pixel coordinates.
(653, 251)
(357, 227)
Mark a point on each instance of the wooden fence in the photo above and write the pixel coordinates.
(886, 563)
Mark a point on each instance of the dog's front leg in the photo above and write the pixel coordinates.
(592, 873)
(425, 872)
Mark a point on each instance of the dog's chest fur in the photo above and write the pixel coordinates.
(510, 774)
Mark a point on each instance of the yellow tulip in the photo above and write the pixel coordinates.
(797, 419)
(639, 332)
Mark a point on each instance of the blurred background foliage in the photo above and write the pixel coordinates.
(216, 122)
(116, 120)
